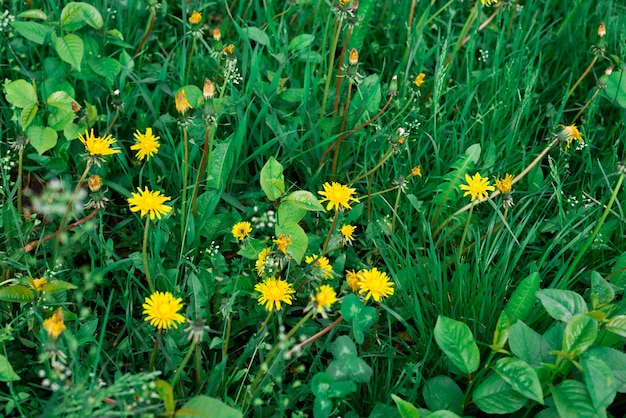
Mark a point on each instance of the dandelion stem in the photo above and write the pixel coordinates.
(376, 167)
(330, 232)
(580, 112)
(154, 349)
(191, 51)
(203, 164)
(183, 215)
(227, 339)
(147, 33)
(180, 368)
(395, 208)
(343, 125)
(19, 180)
(331, 63)
(469, 216)
(315, 336)
(340, 72)
(144, 255)
(110, 125)
(198, 377)
(582, 77)
(31, 245)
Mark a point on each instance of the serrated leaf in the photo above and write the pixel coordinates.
(617, 325)
(42, 139)
(305, 200)
(600, 382)
(456, 340)
(523, 298)
(406, 409)
(602, 292)
(272, 179)
(70, 49)
(441, 392)
(522, 378)
(20, 93)
(572, 400)
(33, 31)
(501, 334)
(495, 396)
(16, 293)
(580, 333)
(562, 305)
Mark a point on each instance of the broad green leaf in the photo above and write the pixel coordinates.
(322, 407)
(341, 389)
(320, 384)
(27, 115)
(251, 248)
(617, 325)
(16, 293)
(20, 93)
(456, 340)
(56, 286)
(521, 377)
(302, 41)
(288, 212)
(207, 407)
(257, 35)
(33, 14)
(60, 99)
(572, 400)
(562, 304)
(42, 139)
(443, 414)
(528, 345)
(602, 292)
(441, 392)
(523, 298)
(616, 360)
(615, 89)
(70, 49)
(6, 371)
(343, 347)
(299, 240)
(580, 333)
(406, 409)
(501, 334)
(221, 165)
(359, 370)
(107, 67)
(60, 118)
(304, 200)
(272, 179)
(495, 396)
(33, 31)
(78, 14)
(600, 381)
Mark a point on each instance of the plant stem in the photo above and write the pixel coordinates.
(315, 336)
(330, 231)
(203, 164)
(469, 216)
(19, 180)
(180, 368)
(343, 125)
(144, 255)
(580, 112)
(582, 77)
(191, 51)
(183, 215)
(395, 209)
(147, 32)
(340, 72)
(31, 245)
(331, 64)
(154, 349)
(376, 167)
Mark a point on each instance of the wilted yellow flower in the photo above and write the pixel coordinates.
(260, 261)
(162, 310)
(151, 203)
(55, 324)
(217, 34)
(94, 182)
(375, 284)
(195, 17)
(147, 144)
(321, 264)
(182, 105)
(352, 277)
(419, 80)
(337, 195)
(347, 232)
(324, 297)
(37, 284)
(570, 133)
(505, 184)
(241, 230)
(354, 57)
(273, 292)
(416, 171)
(601, 30)
(283, 242)
(229, 49)
(208, 90)
(96, 146)
(477, 186)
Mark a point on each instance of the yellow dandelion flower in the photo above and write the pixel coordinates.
(570, 133)
(343, 3)
(162, 310)
(241, 230)
(321, 264)
(347, 232)
(477, 186)
(147, 145)
(94, 182)
(273, 291)
(375, 284)
(353, 59)
(505, 184)
(195, 17)
(337, 195)
(37, 284)
(148, 202)
(182, 105)
(208, 90)
(283, 242)
(353, 277)
(229, 49)
(324, 297)
(419, 79)
(55, 324)
(96, 146)
(416, 171)
(488, 2)
(260, 261)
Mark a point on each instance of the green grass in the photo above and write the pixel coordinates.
(503, 92)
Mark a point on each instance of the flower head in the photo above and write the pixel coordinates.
(196, 330)
(147, 144)
(208, 90)
(353, 58)
(273, 292)
(476, 186)
(416, 171)
(55, 325)
(337, 195)
(570, 133)
(261, 260)
(419, 79)
(324, 297)
(162, 310)
(320, 264)
(283, 242)
(229, 49)
(195, 17)
(241, 230)
(96, 146)
(353, 277)
(37, 284)
(148, 202)
(488, 2)
(347, 233)
(375, 284)
(182, 105)
(216, 33)
(504, 185)
(94, 182)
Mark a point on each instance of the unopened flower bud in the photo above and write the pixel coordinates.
(217, 34)
(208, 91)
(354, 57)
(393, 86)
(601, 30)
(94, 182)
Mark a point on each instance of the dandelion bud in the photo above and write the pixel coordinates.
(604, 78)
(601, 30)
(393, 86)
(75, 107)
(217, 34)
(94, 182)
(208, 91)
(355, 6)
(195, 18)
(609, 70)
(354, 57)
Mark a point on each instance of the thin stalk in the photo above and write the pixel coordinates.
(144, 255)
(376, 167)
(154, 349)
(191, 51)
(330, 231)
(180, 368)
(580, 112)
(19, 180)
(31, 245)
(227, 339)
(469, 216)
(110, 125)
(594, 234)
(395, 208)
(68, 208)
(343, 126)
(203, 164)
(147, 32)
(340, 72)
(582, 77)
(198, 377)
(183, 216)
(438, 12)
(315, 336)
(331, 64)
